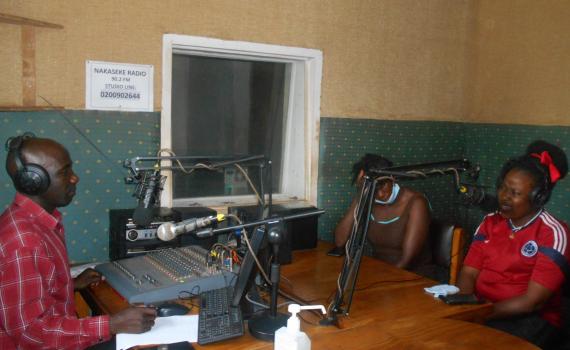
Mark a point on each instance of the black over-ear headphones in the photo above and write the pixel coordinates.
(31, 179)
(541, 193)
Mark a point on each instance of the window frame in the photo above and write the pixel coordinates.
(312, 61)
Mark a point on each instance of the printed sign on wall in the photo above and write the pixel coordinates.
(119, 86)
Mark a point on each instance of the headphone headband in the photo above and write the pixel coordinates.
(30, 179)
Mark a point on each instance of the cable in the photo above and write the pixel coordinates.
(287, 281)
(248, 298)
(218, 251)
(211, 167)
(249, 182)
(83, 135)
(297, 300)
(187, 296)
(416, 172)
(180, 166)
(244, 235)
(347, 269)
(364, 193)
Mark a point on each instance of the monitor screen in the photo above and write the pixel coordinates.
(244, 275)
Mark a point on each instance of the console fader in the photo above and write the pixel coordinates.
(164, 274)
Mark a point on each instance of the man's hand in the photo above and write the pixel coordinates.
(133, 320)
(86, 278)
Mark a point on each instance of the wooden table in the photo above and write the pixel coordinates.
(389, 310)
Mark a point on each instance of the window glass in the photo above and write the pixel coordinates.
(227, 107)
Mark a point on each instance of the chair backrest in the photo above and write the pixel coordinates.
(447, 247)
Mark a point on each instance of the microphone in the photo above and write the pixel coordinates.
(143, 214)
(169, 230)
(471, 194)
(475, 195)
(151, 190)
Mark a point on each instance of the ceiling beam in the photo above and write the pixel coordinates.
(11, 19)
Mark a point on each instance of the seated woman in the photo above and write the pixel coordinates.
(399, 221)
(520, 254)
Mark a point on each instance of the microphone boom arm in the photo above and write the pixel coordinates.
(140, 175)
(131, 163)
(217, 231)
(356, 241)
(421, 171)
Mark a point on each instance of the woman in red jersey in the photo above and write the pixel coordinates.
(519, 257)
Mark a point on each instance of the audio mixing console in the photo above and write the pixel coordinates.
(165, 274)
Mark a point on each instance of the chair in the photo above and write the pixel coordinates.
(447, 247)
(81, 307)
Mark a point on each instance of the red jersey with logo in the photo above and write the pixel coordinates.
(509, 257)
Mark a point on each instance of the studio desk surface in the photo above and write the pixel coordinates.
(390, 309)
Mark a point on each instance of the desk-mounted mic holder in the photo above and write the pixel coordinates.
(357, 239)
(264, 325)
(355, 247)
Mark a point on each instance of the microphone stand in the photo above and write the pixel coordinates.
(264, 325)
(351, 265)
(357, 239)
(208, 232)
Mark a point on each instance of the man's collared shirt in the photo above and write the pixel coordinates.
(37, 306)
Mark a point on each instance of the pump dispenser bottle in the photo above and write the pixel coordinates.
(291, 337)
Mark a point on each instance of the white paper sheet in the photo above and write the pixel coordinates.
(166, 330)
(77, 270)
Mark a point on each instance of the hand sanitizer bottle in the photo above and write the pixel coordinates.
(291, 337)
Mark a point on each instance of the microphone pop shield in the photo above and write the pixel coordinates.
(143, 216)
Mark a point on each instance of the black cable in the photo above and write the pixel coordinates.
(121, 170)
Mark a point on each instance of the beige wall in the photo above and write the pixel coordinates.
(388, 59)
(504, 61)
(521, 69)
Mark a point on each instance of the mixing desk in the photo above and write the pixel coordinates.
(165, 274)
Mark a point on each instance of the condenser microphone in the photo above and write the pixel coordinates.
(169, 230)
(150, 194)
(143, 216)
(144, 213)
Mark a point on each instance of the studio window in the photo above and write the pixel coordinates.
(226, 98)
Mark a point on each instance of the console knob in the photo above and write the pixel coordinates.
(132, 235)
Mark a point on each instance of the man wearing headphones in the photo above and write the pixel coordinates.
(519, 257)
(37, 307)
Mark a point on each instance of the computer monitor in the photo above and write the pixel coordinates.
(244, 275)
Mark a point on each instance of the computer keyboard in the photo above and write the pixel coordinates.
(218, 320)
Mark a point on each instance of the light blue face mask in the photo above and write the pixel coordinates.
(393, 196)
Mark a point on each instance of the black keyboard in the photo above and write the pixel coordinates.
(218, 320)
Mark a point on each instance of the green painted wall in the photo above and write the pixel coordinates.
(343, 141)
(490, 145)
(101, 187)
